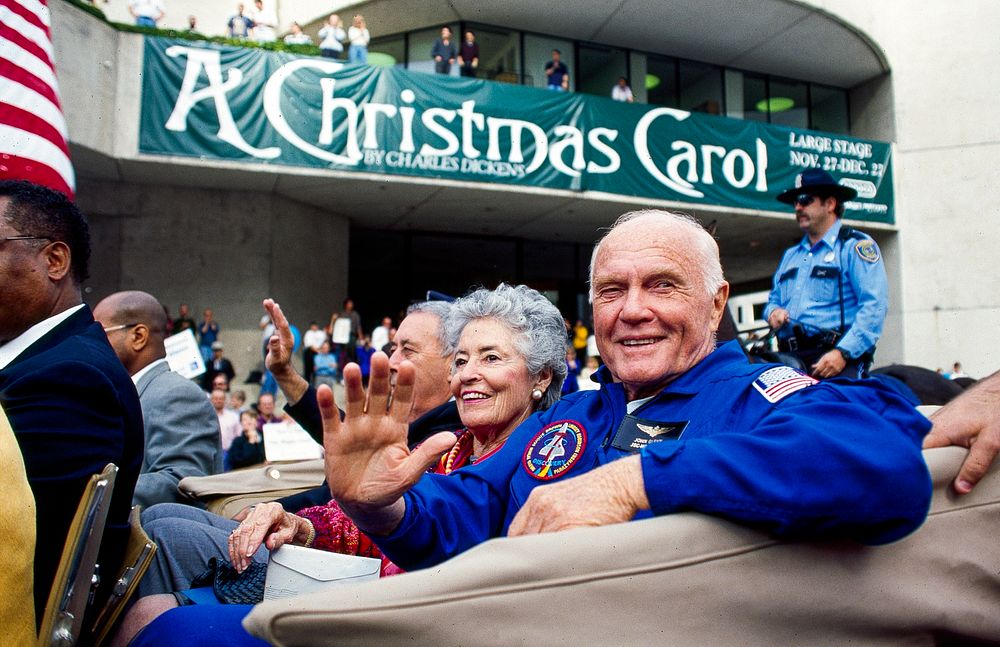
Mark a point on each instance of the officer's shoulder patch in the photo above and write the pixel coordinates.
(555, 449)
(867, 250)
(779, 382)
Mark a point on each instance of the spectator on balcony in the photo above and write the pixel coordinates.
(297, 37)
(468, 55)
(358, 36)
(146, 12)
(265, 22)
(443, 52)
(621, 91)
(239, 26)
(556, 73)
(192, 29)
(332, 37)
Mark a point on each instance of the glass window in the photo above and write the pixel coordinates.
(538, 52)
(789, 103)
(829, 109)
(600, 68)
(754, 102)
(548, 261)
(421, 42)
(499, 53)
(389, 51)
(471, 261)
(661, 80)
(700, 87)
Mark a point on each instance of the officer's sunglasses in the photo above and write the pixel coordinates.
(805, 199)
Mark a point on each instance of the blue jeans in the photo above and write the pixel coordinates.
(557, 88)
(357, 54)
(144, 21)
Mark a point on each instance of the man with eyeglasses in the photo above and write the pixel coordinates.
(830, 293)
(182, 428)
(71, 405)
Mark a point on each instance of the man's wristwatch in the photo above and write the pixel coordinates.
(843, 353)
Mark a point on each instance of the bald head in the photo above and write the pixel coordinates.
(702, 247)
(136, 326)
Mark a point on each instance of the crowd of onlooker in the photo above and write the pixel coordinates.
(260, 25)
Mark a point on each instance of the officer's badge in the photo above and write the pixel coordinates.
(868, 251)
(555, 449)
(780, 382)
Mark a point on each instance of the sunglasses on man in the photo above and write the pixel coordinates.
(805, 199)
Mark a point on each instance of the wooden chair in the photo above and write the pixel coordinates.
(76, 578)
(138, 556)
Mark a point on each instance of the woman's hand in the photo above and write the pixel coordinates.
(268, 524)
(368, 463)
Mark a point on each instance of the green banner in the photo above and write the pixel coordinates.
(230, 103)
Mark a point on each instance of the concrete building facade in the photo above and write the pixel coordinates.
(225, 234)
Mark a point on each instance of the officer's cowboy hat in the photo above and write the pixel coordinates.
(816, 180)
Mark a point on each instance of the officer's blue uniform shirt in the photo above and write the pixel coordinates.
(760, 444)
(806, 285)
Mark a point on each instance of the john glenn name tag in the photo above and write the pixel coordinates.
(635, 433)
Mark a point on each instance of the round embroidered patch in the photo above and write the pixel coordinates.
(867, 251)
(555, 449)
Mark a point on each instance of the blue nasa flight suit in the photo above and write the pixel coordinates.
(759, 444)
(811, 279)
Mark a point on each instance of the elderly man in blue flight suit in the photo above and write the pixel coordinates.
(680, 423)
(830, 293)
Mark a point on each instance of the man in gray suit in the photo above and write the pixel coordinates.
(182, 430)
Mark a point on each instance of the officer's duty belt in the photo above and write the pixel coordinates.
(799, 341)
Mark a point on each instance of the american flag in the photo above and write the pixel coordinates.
(776, 383)
(33, 141)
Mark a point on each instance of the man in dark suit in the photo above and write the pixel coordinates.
(182, 430)
(71, 404)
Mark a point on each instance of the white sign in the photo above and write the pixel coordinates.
(183, 354)
(287, 441)
(342, 330)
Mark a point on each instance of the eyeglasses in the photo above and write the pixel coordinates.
(120, 327)
(6, 238)
(805, 199)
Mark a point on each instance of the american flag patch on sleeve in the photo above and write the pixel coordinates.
(780, 382)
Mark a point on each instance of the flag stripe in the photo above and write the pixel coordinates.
(32, 10)
(24, 119)
(34, 144)
(31, 35)
(28, 62)
(29, 146)
(14, 80)
(28, 169)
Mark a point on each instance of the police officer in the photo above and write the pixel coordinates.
(830, 293)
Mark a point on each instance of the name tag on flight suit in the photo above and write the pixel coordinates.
(635, 433)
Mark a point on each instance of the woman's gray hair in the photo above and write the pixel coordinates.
(539, 331)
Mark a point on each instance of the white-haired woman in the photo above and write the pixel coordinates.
(509, 362)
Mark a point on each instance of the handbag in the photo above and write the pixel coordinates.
(231, 587)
